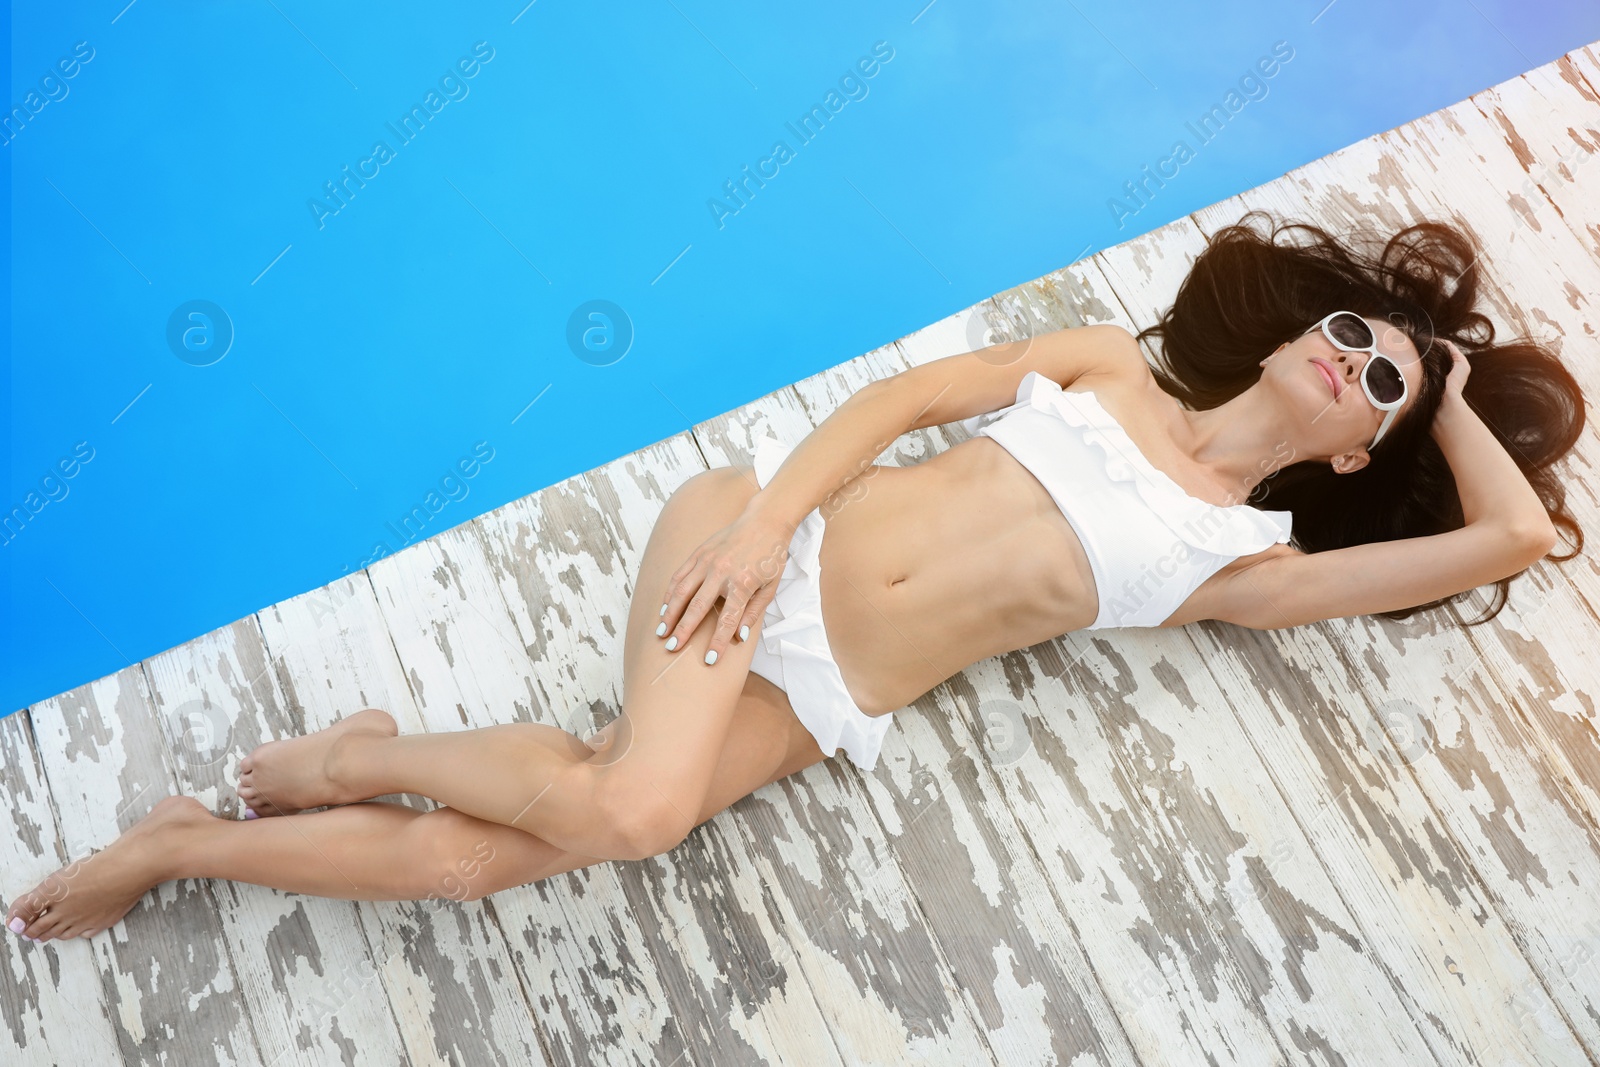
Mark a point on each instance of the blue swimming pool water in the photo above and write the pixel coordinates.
(282, 274)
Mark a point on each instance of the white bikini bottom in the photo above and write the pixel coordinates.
(792, 648)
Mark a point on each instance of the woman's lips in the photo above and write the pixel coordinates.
(1328, 375)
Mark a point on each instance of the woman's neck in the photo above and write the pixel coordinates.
(1243, 441)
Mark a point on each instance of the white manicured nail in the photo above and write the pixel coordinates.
(744, 633)
(663, 610)
(661, 631)
(672, 642)
(711, 657)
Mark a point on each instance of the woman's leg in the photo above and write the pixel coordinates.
(374, 851)
(640, 802)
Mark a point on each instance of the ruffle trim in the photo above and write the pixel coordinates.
(798, 638)
(1234, 530)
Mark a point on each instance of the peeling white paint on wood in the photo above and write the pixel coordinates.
(303, 963)
(51, 1000)
(170, 989)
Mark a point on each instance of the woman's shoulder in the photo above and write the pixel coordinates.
(1118, 359)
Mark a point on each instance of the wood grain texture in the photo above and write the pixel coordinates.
(170, 987)
(296, 957)
(1358, 842)
(50, 997)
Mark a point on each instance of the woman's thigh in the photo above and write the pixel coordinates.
(677, 708)
(765, 742)
(700, 507)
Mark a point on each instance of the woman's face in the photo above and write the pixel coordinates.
(1322, 385)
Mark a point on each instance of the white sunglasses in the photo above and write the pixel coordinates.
(1381, 379)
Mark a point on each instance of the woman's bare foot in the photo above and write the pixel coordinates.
(285, 777)
(91, 894)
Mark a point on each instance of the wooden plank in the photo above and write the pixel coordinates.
(166, 974)
(1421, 850)
(1547, 119)
(851, 927)
(331, 656)
(51, 999)
(470, 634)
(1075, 295)
(444, 969)
(472, 664)
(297, 957)
(1536, 175)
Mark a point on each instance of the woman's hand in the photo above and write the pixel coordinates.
(1459, 370)
(1452, 400)
(741, 564)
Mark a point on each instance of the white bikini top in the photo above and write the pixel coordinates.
(1150, 544)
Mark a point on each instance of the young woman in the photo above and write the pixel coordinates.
(1322, 380)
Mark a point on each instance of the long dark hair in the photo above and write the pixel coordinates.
(1248, 292)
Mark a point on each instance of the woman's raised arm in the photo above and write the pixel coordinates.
(1506, 531)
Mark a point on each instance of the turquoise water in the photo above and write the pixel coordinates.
(292, 287)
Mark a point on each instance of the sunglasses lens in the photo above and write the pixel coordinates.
(1350, 329)
(1385, 380)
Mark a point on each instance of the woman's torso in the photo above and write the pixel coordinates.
(929, 569)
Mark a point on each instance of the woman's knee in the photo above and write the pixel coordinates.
(720, 488)
(639, 820)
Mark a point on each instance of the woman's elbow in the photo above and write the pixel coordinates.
(1534, 541)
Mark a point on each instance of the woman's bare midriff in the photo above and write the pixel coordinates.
(929, 569)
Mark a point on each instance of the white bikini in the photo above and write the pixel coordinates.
(1149, 544)
(792, 648)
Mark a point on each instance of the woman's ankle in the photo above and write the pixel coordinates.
(349, 764)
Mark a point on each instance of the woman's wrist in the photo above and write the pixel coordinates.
(766, 510)
(1453, 411)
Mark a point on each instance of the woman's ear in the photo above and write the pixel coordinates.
(1349, 462)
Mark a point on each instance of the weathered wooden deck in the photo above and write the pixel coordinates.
(1357, 842)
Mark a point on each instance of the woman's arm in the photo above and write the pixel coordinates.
(1488, 481)
(1507, 530)
(741, 563)
(932, 394)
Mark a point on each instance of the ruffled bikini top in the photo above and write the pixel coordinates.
(1149, 543)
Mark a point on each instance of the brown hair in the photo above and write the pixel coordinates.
(1247, 293)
